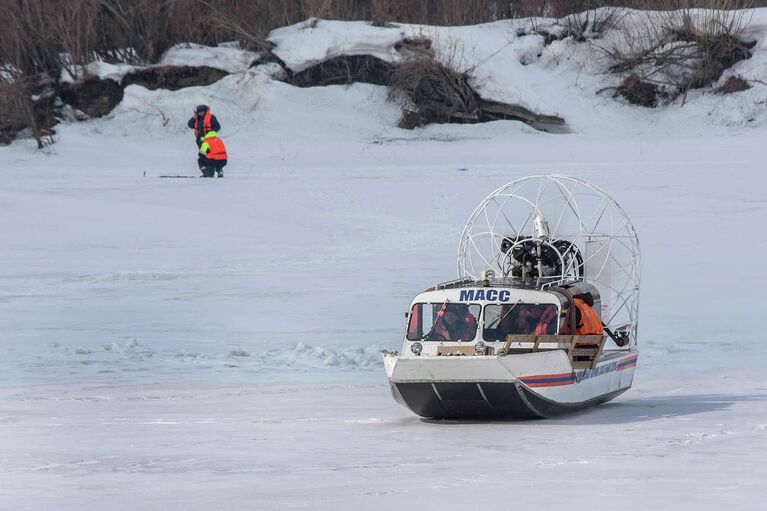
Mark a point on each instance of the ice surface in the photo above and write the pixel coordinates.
(207, 344)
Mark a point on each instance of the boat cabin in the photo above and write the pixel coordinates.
(487, 316)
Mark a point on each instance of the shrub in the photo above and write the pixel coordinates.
(734, 84)
(638, 92)
(435, 91)
(683, 49)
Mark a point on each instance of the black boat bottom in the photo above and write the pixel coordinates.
(466, 400)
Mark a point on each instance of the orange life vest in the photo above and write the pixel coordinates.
(206, 124)
(590, 323)
(217, 149)
(542, 327)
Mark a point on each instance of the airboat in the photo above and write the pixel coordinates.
(542, 319)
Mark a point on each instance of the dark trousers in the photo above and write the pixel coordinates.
(209, 167)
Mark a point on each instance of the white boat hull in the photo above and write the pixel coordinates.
(534, 385)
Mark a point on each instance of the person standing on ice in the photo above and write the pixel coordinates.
(213, 157)
(203, 122)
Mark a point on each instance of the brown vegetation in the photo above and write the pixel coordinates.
(438, 92)
(343, 71)
(174, 77)
(679, 50)
(733, 84)
(638, 92)
(18, 109)
(435, 92)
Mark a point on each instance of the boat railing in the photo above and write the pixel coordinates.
(583, 350)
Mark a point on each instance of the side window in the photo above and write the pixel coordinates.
(519, 319)
(415, 324)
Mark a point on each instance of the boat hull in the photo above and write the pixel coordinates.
(462, 400)
(511, 387)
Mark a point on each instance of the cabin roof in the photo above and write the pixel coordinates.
(505, 282)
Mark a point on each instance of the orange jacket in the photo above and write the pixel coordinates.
(216, 150)
(206, 124)
(590, 324)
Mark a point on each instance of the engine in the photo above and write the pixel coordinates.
(557, 258)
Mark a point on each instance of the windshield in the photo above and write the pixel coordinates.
(443, 322)
(519, 319)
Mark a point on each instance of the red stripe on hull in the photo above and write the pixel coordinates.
(549, 380)
(552, 384)
(627, 363)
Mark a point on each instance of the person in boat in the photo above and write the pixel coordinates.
(202, 123)
(454, 323)
(587, 322)
(536, 319)
(212, 158)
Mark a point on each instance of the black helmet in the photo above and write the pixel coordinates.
(201, 108)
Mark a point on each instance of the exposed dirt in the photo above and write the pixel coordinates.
(638, 92)
(343, 71)
(93, 96)
(734, 84)
(174, 77)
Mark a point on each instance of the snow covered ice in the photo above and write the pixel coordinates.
(213, 344)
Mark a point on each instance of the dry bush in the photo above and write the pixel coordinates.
(28, 40)
(734, 84)
(679, 50)
(12, 118)
(639, 92)
(18, 109)
(435, 90)
(592, 22)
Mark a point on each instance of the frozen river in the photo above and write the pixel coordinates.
(189, 344)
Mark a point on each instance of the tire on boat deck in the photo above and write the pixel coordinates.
(467, 400)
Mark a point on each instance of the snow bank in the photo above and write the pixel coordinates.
(512, 61)
(99, 69)
(508, 61)
(253, 103)
(308, 43)
(227, 58)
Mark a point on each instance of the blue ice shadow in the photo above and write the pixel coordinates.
(654, 408)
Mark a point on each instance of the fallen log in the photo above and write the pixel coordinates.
(510, 111)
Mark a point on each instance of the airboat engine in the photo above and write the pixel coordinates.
(542, 319)
(529, 257)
